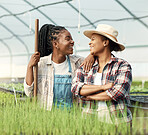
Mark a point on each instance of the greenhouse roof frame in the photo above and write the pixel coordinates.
(17, 22)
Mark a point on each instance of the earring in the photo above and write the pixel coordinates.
(104, 44)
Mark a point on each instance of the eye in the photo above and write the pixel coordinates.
(68, 38)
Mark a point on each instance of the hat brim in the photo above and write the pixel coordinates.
(88, 33)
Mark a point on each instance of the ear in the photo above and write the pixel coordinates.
(106, 42)
(55, 44)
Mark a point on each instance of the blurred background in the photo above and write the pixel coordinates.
(17, 24)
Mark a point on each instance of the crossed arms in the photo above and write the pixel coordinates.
(119, 89)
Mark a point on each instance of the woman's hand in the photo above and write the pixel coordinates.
(88, 62)
(33, 61)
(35, 58)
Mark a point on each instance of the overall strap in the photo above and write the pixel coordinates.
(69, 64)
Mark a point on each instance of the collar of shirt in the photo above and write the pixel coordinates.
(74, 59)
(113, 58)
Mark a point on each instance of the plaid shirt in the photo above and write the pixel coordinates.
(118, 72)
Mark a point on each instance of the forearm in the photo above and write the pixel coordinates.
(100, 96)
(90, 89)
(29, 76)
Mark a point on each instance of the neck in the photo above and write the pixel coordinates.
(58, 58)
(104, 57)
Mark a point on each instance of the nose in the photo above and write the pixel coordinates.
(90, 43)
(72, 42)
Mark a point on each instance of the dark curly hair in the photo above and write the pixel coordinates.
(47, 34)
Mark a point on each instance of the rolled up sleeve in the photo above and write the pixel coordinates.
(122, 83)
(78, 82)
(28, 89)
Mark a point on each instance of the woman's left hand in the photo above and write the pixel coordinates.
(88, 62)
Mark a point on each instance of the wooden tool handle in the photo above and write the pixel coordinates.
(36, 49)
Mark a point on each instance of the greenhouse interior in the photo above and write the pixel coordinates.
(17, 42)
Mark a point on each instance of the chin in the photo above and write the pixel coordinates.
(71, 52)
(92, 52)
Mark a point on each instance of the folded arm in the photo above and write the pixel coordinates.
(100, 96)
(90, 89)
(80, 88)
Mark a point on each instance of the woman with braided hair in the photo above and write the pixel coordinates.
(56, 68)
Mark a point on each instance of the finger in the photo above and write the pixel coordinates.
(84, 67)
(37, 57)
(90, 65)
(36, 61)
(81, 64)
(87, 67)
(36, 53)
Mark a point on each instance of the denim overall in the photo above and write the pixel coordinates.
(62, 89)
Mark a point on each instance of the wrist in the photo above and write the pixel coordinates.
(103, 87)
(30, 66)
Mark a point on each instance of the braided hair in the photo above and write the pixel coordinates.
(47, 34)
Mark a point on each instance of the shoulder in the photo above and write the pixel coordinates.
(76, 61)
(120, 60)
(76, 58)
(121, 63)
(45, 60)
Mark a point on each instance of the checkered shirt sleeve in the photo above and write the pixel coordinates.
(78, 81)
(122, 83)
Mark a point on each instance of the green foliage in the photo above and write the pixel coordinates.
(26, 117)
(138, 89)
(139, 84)
(136, 86)
(16, 86)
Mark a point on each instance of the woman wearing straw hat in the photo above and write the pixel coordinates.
(56, 67)
(108, 82)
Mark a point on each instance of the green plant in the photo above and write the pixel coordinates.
(28, 117)
(10, 86)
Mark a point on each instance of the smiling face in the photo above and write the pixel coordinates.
(96, 44)
(64, 43)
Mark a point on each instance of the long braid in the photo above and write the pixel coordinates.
(47, 34)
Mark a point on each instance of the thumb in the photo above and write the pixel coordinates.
(36, 53)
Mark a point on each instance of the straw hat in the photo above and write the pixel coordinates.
(107, 31)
